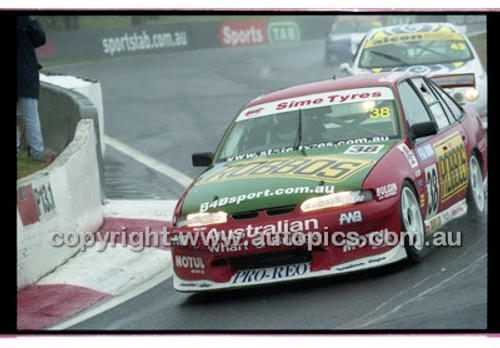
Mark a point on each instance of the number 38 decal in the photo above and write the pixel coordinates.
(380, 112)
(432, 182)
(364, 149)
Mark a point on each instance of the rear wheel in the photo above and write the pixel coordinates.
(476, 200)
(412, 223)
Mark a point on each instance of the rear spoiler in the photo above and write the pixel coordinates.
(454, 80)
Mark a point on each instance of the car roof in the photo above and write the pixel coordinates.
(413, 28)
(359, 18)
(388, 79)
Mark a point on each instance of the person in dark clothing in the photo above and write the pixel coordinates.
(30, 36)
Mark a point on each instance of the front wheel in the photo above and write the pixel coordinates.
(412, 223)
(476, 201)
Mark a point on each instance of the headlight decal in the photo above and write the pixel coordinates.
(335, 200)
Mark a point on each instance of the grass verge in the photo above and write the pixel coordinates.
(26, 166)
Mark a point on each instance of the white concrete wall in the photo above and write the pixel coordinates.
(90, 89)
(67, 200)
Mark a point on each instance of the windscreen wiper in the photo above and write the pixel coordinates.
(390, 57)
(298, 138)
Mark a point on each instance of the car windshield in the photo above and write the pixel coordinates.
(355, 26)
(366, 121)
(381, 53)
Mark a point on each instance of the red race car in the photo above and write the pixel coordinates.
(330, 177)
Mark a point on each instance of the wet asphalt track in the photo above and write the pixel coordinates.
(171, 105)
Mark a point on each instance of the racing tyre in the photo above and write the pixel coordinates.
(412, 223)
(476, 200)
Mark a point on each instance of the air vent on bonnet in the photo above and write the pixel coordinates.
(245, 215)
(279, 211)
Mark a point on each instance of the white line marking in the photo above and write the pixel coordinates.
(150, 162)
(359, 321)
(354, 323)
(159, 210)
(385, 315)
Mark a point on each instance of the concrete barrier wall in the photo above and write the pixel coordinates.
(60, 202)
(61, 109)
(88, 87)
(59, 116)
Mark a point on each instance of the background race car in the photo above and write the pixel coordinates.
(424, 48)
(345, 35)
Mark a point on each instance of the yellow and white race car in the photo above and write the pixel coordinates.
(431, 49)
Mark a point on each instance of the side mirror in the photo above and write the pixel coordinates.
(344, 68)
(424, 129)
(202, 159)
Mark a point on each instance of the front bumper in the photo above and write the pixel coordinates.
(201, 266)
(291, 272)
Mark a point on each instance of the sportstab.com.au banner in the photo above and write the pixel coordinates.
(130, 42)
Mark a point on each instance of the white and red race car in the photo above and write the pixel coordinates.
(328, 178)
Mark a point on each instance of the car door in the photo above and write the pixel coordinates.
(442, 157)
